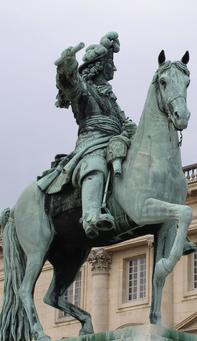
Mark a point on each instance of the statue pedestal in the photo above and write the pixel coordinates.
(137, 333)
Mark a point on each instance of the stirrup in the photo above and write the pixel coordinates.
(189, 247)
(90, 230)
(105, 222)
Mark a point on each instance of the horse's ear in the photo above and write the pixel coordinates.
(161, 57)
(185, 58)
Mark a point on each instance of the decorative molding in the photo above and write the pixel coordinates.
(136, 242)
(100, 260)
(47, 266)
(186, 323)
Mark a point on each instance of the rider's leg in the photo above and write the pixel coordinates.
(189, 247)
(92, 195)
(92, 176)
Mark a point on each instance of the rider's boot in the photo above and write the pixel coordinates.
(92, 194)
(189, 247)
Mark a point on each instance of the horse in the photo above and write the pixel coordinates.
(150, 195)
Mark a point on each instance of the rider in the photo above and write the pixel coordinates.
(87, 90)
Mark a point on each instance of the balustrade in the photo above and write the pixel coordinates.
(190, 172)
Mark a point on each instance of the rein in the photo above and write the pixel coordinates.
(161, 104)
(181, 139)
(164, 109)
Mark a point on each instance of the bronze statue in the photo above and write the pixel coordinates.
(147, 196)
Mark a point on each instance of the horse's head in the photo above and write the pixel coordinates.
(172, 80)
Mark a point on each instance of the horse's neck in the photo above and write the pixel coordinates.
(155, 135)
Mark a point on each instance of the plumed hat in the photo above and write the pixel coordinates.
(109, 44)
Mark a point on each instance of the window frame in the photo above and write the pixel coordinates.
(135, 252)
(189, 292)
(194, 271)
(133, 276)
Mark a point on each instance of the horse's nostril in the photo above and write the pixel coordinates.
(176, 114)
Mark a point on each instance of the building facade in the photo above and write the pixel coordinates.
(114, 285)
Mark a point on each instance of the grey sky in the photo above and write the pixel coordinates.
(33, 34)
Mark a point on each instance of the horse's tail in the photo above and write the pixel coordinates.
(14, 325)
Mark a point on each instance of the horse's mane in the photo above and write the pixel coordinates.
(167, 65)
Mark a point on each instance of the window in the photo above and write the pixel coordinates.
(194, 270)
(136, 279)
(73, 295)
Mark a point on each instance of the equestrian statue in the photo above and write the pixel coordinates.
(120, 182)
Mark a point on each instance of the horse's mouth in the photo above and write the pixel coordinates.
(179, 123)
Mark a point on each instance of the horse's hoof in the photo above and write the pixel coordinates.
(44, 338)
(84, 331)
(155, 318)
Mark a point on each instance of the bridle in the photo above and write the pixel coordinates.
(164, 106)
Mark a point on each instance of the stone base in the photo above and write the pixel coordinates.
(137, 333)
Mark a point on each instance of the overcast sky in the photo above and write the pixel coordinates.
(32, 36)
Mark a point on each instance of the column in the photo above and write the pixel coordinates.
(101, 261)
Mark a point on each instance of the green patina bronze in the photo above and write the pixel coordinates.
(117, 184)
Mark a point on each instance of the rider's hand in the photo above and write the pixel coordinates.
(68, 56)
(130, 127)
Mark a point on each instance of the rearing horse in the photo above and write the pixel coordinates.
(151, 193)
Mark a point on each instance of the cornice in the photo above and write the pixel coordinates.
(188, 320)
(192, 192)
(136, 242)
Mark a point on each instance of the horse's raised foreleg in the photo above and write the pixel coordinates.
(163, 241)
(159, 212)
(33, 268)
(156, 211)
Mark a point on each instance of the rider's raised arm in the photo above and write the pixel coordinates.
(68, 79)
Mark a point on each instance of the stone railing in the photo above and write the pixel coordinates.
(191, 172)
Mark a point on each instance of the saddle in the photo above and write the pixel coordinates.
(65, 200)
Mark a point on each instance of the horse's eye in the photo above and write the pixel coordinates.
(163, 82)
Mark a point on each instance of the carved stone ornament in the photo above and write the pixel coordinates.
(100, 259)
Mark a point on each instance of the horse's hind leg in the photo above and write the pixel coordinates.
(35, 234)
(64, 275)
(33, 268)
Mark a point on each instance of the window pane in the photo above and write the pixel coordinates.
(77, 294)
(73, 293)
(136, 278)
(195, 270)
